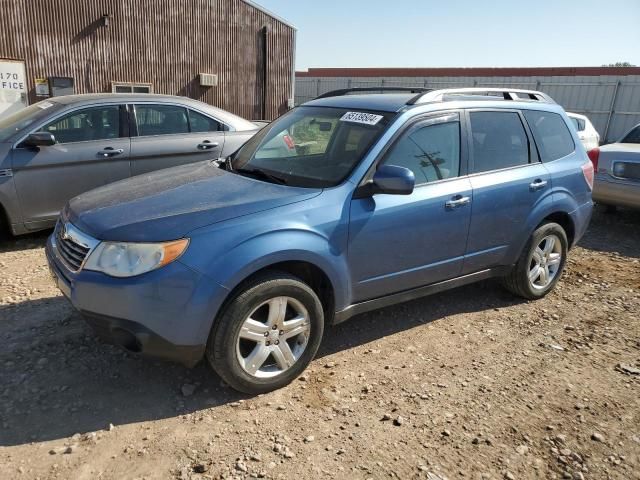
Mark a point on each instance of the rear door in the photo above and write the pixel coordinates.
(92, 149)
(507, 178)
(168, 135)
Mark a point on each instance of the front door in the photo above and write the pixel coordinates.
(91, 150)
(170, 135)
(400, 242)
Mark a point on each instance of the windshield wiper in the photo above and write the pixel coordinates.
(261, 174)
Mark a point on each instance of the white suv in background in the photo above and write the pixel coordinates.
(588, 135)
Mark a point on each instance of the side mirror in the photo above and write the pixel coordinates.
(393, 180)
(39, 139)
(390, 180)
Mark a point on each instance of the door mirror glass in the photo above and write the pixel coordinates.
(39, 139)
(393, 180)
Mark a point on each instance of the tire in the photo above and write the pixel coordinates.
(245, 330)
(519, 282)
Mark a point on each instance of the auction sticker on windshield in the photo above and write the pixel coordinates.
(361, 117)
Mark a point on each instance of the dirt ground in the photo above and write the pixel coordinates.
(472, 383)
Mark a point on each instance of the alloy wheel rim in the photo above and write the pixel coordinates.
(273, 337)
(545, 262)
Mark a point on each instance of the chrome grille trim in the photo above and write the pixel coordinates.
(72, 246)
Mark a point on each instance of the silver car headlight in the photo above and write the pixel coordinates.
(119, 259)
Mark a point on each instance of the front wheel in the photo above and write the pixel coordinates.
(541, 263)
(267, 334)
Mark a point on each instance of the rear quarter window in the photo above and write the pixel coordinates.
(550, 132)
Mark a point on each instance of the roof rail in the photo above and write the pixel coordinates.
(345, 91)
(509, 94)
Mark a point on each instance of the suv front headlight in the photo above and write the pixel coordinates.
(119, 259)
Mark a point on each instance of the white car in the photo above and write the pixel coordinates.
(586, 132)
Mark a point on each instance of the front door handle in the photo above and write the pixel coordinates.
(539, 184)
(457, 202)
(110, 152)
(207, 145)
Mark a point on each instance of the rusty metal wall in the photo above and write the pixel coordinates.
(166, 43)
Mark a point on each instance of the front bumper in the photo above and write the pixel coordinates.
(165, 313)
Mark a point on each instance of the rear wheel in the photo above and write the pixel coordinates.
(267, 334)
(541, 263)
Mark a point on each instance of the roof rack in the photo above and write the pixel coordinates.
(509, 94)
(345, 91)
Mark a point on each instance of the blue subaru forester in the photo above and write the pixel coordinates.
(343, 205)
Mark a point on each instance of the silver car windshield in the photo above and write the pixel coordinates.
(18, 121)
(315, 147)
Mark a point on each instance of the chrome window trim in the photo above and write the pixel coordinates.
(182, 105)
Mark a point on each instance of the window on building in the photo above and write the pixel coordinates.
(96, 123)
(499, 141)
(161, 120)
(431, 152)
(553, 138)
(131, 87)
(202, 123)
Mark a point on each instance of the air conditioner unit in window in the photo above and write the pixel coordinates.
(208, 80)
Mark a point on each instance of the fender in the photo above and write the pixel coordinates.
(259, 252)
(284, 246)
(9, 204)
(548, 205)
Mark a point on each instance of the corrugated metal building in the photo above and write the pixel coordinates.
(160, 46)
(609, 96)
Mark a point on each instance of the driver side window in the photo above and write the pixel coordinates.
(95, 123)
(430, 150)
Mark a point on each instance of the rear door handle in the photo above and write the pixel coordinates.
(207, 145)
(457, 202)
(110, 152)
(539, 184)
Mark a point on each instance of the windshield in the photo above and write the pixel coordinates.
(22, 119)
(633, 136)
(311, 146)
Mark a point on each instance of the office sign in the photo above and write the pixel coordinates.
(13, 86)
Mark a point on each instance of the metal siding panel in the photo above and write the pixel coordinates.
(166, 44)
(591, 95)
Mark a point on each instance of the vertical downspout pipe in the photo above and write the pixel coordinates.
(265, 73)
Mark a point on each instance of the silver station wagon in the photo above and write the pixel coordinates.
(58, 148)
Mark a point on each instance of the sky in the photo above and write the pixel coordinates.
(462, 33)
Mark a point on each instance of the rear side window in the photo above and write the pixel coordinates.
(499, 141)
(161, 120)
(431, 152)
(553, 138)
(633, 136)
(202, 123)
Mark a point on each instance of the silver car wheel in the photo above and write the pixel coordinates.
(545, 262)
(273, 337)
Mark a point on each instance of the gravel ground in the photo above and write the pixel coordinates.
(472, 383)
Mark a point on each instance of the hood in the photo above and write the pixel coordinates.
(167, 204)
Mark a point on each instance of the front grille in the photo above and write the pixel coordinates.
(627, 170)
(70, 251)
